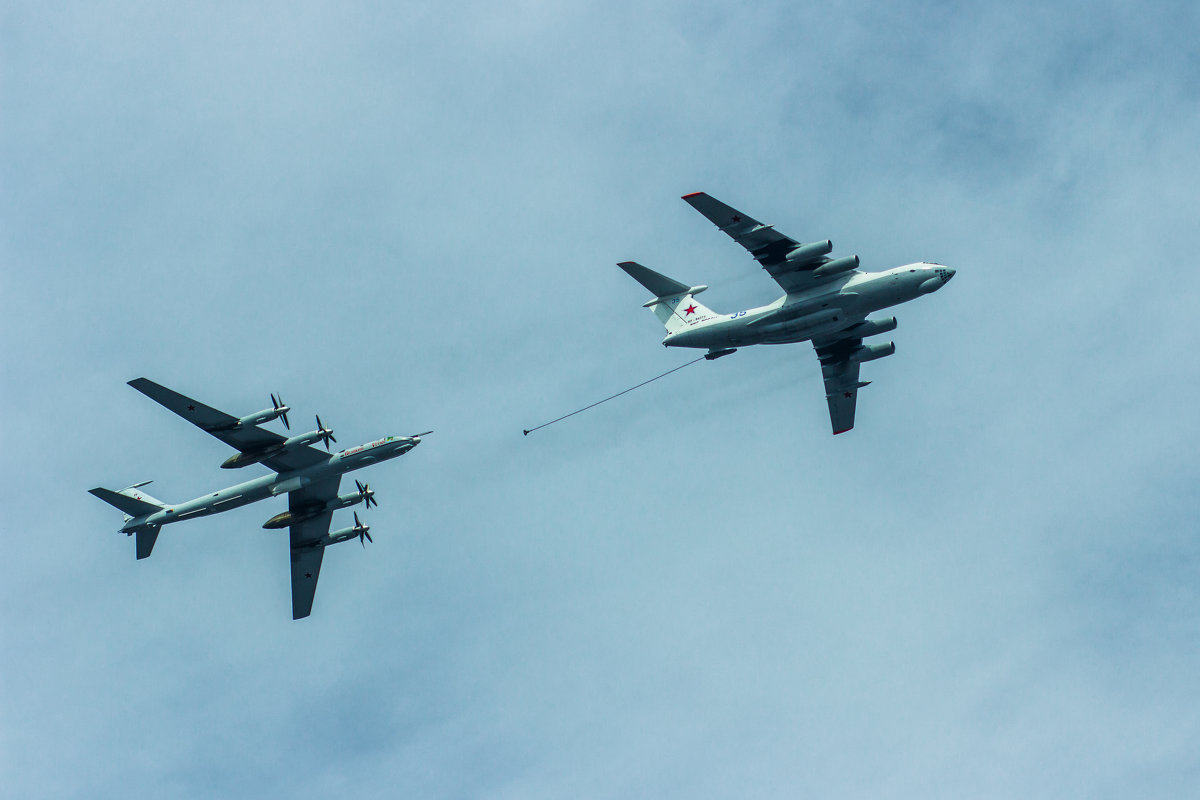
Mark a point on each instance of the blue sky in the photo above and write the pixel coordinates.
(406, 218)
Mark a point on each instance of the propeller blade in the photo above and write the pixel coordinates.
(368, 496)
(278, 404)
(417, 435)
(325, 434)
(362, 531)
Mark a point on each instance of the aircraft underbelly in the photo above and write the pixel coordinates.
(218, 502)
(845, 311)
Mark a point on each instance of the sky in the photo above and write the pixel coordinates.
(407, 217)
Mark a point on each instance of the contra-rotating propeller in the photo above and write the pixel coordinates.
(282, 408)
(326, 434)
(362, 531)
(367, 494)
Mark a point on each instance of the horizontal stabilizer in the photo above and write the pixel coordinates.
(130, 505)
(659, 285)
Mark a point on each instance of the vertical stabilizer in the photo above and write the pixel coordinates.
(681, 311)
(674, 304)
(146, 536)
(136, 504)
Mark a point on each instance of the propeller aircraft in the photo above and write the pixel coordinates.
(310, 478)
(826, 301)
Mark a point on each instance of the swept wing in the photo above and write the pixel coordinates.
(795, 266)
(841, 356)
(841, 380)
(307, 554)
(225, 427)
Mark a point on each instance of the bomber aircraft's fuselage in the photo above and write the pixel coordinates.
(801, 316)
(278, 484)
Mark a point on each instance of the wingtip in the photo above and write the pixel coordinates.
(692, 194)
(843, 430)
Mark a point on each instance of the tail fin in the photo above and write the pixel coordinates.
(146, 536)
(673, 303)
(135, 503)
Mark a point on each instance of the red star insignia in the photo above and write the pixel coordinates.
(848, 395)
(191, 408)
(690, 310)
(737, 218)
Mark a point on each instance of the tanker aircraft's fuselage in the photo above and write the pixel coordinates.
(825, 309)
(278, 484)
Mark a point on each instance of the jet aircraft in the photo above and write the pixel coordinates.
(826, 301)
(307, 475)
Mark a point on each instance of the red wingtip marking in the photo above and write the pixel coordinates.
(693, 194)
(843, 430)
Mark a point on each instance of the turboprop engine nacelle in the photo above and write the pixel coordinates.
(346, 500)
(266, 415)
(808, 252)
(870, 352)
(278, 410)
(342, 535)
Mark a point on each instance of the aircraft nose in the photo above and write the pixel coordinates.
(945, 273)
(415, 439)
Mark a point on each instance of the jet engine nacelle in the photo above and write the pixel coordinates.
(836, 266)
(808, 252)
(873, 327)
(870, 352)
